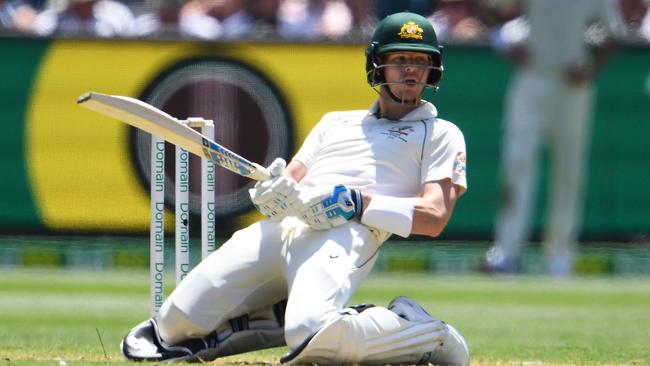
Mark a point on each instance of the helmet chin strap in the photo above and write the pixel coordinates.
(386, 94)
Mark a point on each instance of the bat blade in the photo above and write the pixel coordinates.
(151, 119)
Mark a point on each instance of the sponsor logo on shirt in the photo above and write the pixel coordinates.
(459, 166)
(400, 133)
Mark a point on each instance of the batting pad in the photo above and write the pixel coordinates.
(378, 336)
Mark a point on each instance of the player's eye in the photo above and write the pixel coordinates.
(397, 60)
(422, 61)
(403, 60)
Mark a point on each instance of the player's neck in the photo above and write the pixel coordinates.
(394, 111)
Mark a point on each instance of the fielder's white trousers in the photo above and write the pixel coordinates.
(317, 271)
(542, 110)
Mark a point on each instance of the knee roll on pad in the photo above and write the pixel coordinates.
(260, 330)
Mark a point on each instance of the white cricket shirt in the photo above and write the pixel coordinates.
(382, 156)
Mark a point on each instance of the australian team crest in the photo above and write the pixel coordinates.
(411, 30)
(400, 133)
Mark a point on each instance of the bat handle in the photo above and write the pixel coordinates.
(260, 173)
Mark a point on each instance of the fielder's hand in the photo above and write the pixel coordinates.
(275, 197)
(329, 207)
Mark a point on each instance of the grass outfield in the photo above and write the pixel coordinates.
(51, 317)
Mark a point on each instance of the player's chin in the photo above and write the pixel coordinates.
(407, 93)
(413, 88)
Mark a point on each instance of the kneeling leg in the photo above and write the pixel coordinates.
(404, 334)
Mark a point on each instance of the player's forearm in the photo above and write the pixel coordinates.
(429, 219)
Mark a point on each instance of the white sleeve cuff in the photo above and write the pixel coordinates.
(392, 214)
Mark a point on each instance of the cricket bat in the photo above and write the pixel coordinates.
(156, 122)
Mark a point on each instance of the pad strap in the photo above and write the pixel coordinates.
(358, 202)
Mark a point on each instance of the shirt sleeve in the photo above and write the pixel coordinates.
(445, 155)
(312, 143)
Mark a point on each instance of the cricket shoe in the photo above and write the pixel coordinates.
(451, 349)
(143, 343)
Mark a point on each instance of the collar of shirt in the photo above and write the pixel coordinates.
(425, 111)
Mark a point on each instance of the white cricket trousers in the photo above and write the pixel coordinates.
(542, 110)
(317, 271)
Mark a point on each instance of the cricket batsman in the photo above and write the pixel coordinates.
(359, 177)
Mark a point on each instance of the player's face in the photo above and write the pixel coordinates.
(406, 73)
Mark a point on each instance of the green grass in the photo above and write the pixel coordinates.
(51, 315)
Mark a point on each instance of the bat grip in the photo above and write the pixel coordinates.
(260, 173)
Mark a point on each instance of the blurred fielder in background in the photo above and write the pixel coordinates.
(558, 48)
(359, 177)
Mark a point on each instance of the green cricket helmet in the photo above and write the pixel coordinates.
(404, 31)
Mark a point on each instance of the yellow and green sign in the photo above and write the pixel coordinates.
(66, 169)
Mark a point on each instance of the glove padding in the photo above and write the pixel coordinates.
(330, 207)
(276, 197)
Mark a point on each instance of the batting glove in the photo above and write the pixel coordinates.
(276, 197)
(330, 207)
